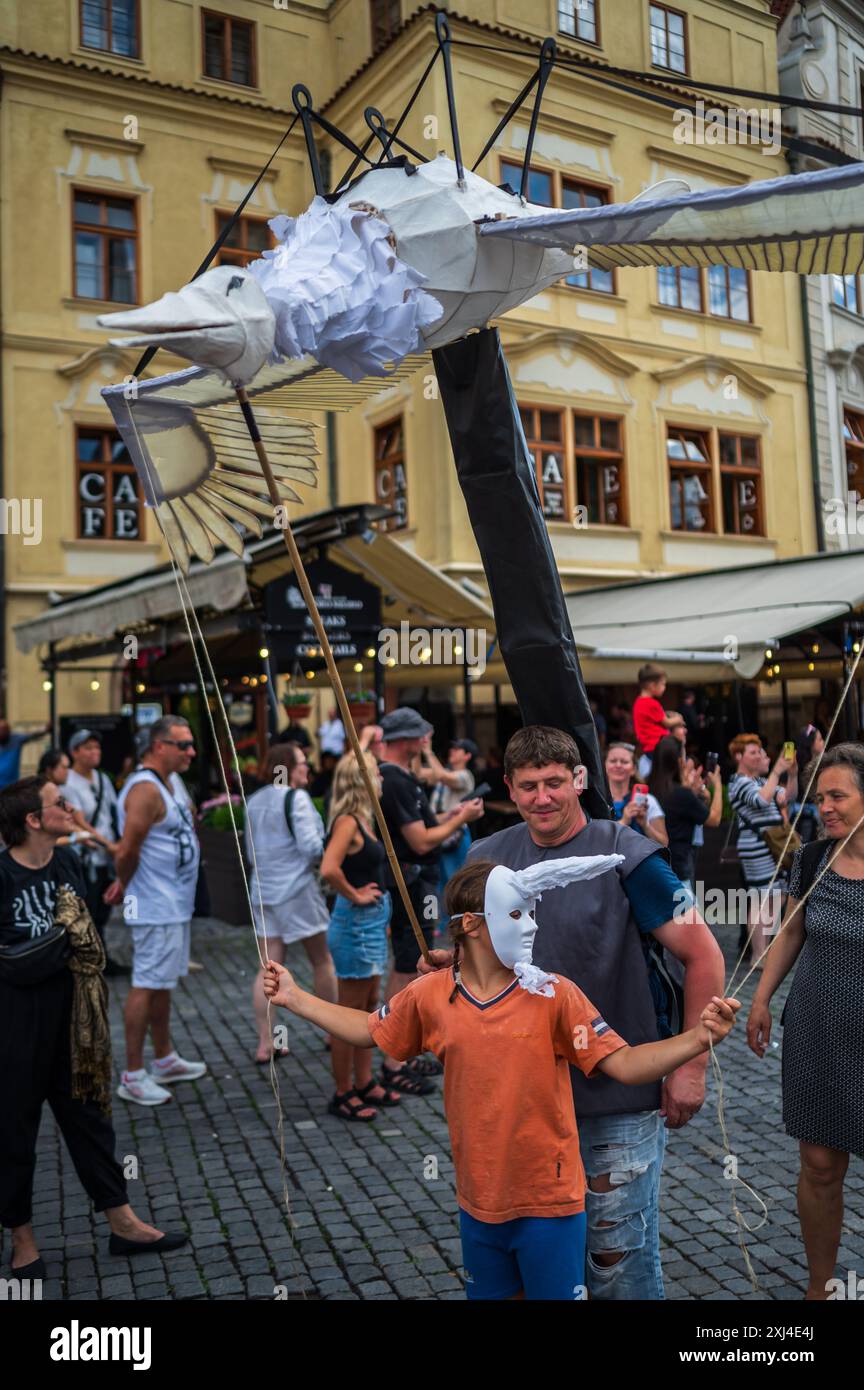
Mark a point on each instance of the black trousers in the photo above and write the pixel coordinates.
(402, 939)
(96, 880)
(35, 1067)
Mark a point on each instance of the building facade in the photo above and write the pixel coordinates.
(667, 411)
(821, 57)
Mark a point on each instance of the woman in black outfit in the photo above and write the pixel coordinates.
(354, 865)
(684, 807)
(54, 1037)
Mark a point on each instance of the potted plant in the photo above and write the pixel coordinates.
(297, 704)
(226, 874)
(363, 707)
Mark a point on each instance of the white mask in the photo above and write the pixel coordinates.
(511, 901)
(221, 320)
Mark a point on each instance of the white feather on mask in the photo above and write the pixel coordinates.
(509, 902)
(557, 873)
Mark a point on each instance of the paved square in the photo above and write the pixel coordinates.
(372, 1206)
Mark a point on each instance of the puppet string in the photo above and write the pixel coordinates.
(740, 1220)
(802, 802)
(187, 607)
(332, 671)
(185, 599)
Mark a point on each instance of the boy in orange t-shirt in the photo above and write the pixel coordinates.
(506, 1032)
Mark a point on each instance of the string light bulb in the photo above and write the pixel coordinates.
(47, 685)
(94, 685)
(768, 653)
(264, 653)
(358, 666)
(815, 649)
(370, 652)
(811, 666)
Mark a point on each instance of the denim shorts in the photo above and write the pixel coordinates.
(357, 938)
(630, 1149)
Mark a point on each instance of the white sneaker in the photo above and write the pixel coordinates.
(179, 1070)
(142, 1089)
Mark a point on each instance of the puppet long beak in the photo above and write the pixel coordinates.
(173, 315)
(235, 340)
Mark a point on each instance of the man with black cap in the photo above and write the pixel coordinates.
(91, 793)
(417, 835)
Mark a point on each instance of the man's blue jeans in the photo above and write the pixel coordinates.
(630, 1149)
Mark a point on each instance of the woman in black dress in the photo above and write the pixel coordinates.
(823, 1035)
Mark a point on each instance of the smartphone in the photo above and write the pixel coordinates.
(711, 761)
(789, 750)
(483, 790)
(639, 794)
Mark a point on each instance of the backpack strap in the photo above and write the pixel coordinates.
(289, 803)
(811, 858)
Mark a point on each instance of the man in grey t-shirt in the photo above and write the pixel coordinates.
(592, 933)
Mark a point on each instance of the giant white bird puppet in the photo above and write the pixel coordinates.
(405, 259)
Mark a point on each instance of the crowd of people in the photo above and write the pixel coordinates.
(647, 973)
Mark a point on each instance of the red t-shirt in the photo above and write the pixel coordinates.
(507, 1089)
(648, 717)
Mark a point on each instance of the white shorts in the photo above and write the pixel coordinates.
(160, 955)
(288, 921)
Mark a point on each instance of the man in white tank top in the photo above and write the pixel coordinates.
(157, 870)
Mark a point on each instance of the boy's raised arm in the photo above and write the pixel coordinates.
(351, 1025)
(652, 1061)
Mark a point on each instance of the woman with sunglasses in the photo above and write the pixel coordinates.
(55, 1042)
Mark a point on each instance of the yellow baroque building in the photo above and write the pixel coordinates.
(667, 411)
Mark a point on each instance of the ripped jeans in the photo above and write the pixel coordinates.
(630, 1149)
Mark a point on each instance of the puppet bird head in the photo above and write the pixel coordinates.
(221, 321)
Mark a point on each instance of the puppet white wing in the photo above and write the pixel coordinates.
(810, 224)
(187, 437)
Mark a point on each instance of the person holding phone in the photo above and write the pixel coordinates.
(759, 802)
(686, 804)
(452, 785)
(631, 804)
(807, 745)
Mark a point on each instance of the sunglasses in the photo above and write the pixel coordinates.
(61, 804)
(184, 744)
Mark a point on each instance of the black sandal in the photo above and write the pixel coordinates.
(390, 1099)
(424, 1066)
(401, 1080)
(341, 1106)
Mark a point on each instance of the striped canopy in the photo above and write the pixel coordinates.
(811, 224)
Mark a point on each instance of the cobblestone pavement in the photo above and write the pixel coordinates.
(373, 1205)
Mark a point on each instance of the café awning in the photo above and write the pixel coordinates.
(718, 622)
(412, 590)
(132, 603)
